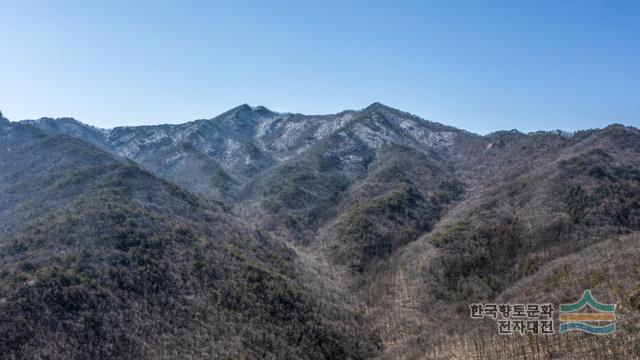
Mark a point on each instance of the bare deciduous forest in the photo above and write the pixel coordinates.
(257, 234)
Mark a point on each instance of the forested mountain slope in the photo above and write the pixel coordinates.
(101, 259)
(403, 221)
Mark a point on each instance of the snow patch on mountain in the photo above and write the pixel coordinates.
(266, 126)
(171, 160)
(291, 135)
(232, 154)
(374, 135)
(427, 137)
(329, 126)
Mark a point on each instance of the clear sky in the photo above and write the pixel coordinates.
(477, 65)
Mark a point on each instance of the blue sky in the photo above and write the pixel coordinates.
(477, 65)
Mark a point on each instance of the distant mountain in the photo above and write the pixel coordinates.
(223, 153)
(393, 224)
(218, 155)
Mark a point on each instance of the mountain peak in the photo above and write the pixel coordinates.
(64, 119)
(382, 108)
(379, 106)
(245, 107)
(248, 110)
(3, 120)
(260, 108)
(58, 123)
(620, 127)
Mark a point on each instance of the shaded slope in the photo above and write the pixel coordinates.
(609, 269)
(510, 228)
(120, 264)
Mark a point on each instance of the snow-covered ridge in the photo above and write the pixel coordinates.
(254, 136)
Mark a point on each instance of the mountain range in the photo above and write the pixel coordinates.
(357, 235)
